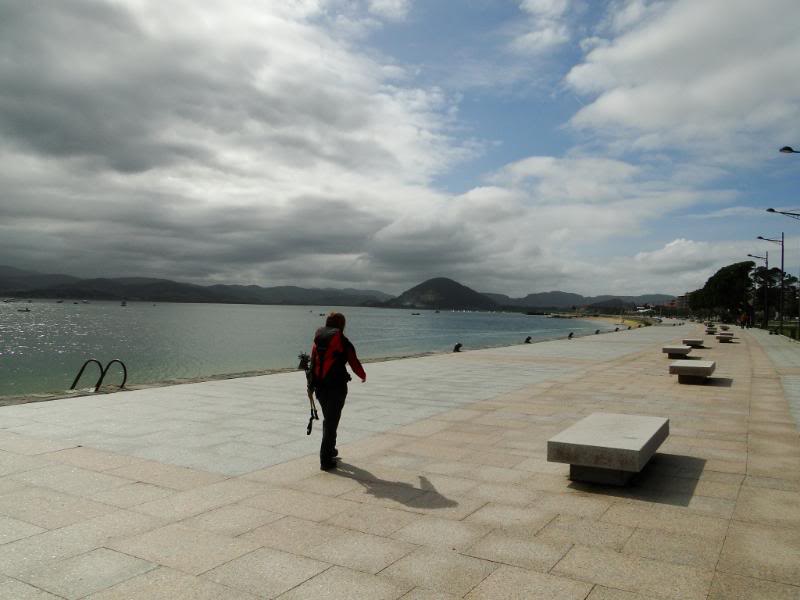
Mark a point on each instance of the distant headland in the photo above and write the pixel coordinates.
(438, 293)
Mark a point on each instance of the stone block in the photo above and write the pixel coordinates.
(692, 371)
(608, 447)
(676, 351)
(693, 342)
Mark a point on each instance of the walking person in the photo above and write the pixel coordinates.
(330, 354)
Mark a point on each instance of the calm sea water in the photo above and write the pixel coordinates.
(42, 350)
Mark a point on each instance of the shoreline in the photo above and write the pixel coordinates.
(46, 397)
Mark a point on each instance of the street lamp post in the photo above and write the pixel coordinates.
(788, 213)
(765, 258)
(783, 277)
(793, 215)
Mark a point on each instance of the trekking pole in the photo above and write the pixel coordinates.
(313, 416)
(305, 364)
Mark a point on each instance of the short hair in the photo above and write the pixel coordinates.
(335, 319)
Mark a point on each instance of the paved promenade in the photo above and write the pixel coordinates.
(213, 490)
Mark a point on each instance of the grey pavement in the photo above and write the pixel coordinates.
(784, 353)
(239, 425)
(213, 491)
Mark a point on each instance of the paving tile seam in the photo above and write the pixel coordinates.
(43, 590)
(484, 578)
(307, 580)
(593, 586)
(751, 576)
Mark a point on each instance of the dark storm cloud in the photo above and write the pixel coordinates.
(244, 142)
(189, 141)
(62, 97)
(190, 240)
(88, 80)
(431, 246)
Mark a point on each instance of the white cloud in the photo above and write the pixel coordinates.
(545, 28)
(540, 39)
(393, 10)
(712, 76)
(545, 8)
(626, 14)
(682, 265)
(255, 143)
(730, 211)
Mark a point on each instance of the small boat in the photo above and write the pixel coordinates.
(415, 314)
(59, 301)
(124, 303)
(26, 309)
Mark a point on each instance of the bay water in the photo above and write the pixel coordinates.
(42, 350)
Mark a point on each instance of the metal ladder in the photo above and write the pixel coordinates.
(103, 371)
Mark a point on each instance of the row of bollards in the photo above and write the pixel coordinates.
(528, 340)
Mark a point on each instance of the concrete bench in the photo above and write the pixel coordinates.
(676, 351)
(725, 337)
(608, 448)
(692, 371)
(693, 342)
(724, 327)
(711, 331)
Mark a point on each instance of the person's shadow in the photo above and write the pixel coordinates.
(424, 496)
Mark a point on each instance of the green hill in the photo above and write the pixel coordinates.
(442, 293)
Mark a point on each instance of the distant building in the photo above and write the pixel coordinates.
(678, 303)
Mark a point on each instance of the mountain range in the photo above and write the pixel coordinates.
(16, 282)
(439, 293)
(568, 300)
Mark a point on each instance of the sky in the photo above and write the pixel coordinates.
(619, 146)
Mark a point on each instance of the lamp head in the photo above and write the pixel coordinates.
(771, 210)
(788, 150)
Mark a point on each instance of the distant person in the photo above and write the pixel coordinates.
(528, 340)
(330, 354)
(457, 347)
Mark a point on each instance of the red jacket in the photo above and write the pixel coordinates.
(329, 354)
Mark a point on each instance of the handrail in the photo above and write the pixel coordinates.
(94, 360)
(103, 374)
(103, 371)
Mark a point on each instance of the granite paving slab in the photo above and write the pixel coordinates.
(214, 491)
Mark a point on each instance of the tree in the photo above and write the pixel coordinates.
(728, 291)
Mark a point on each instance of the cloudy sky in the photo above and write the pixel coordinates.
(623, 146)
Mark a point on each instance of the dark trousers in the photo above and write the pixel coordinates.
(332, 403)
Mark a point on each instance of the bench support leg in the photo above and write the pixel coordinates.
(695, 379)
(598, 475)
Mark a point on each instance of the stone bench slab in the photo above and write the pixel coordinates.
(725, 338)
(608, 447)
(693, 342)
(692, 371)
(676, 351)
